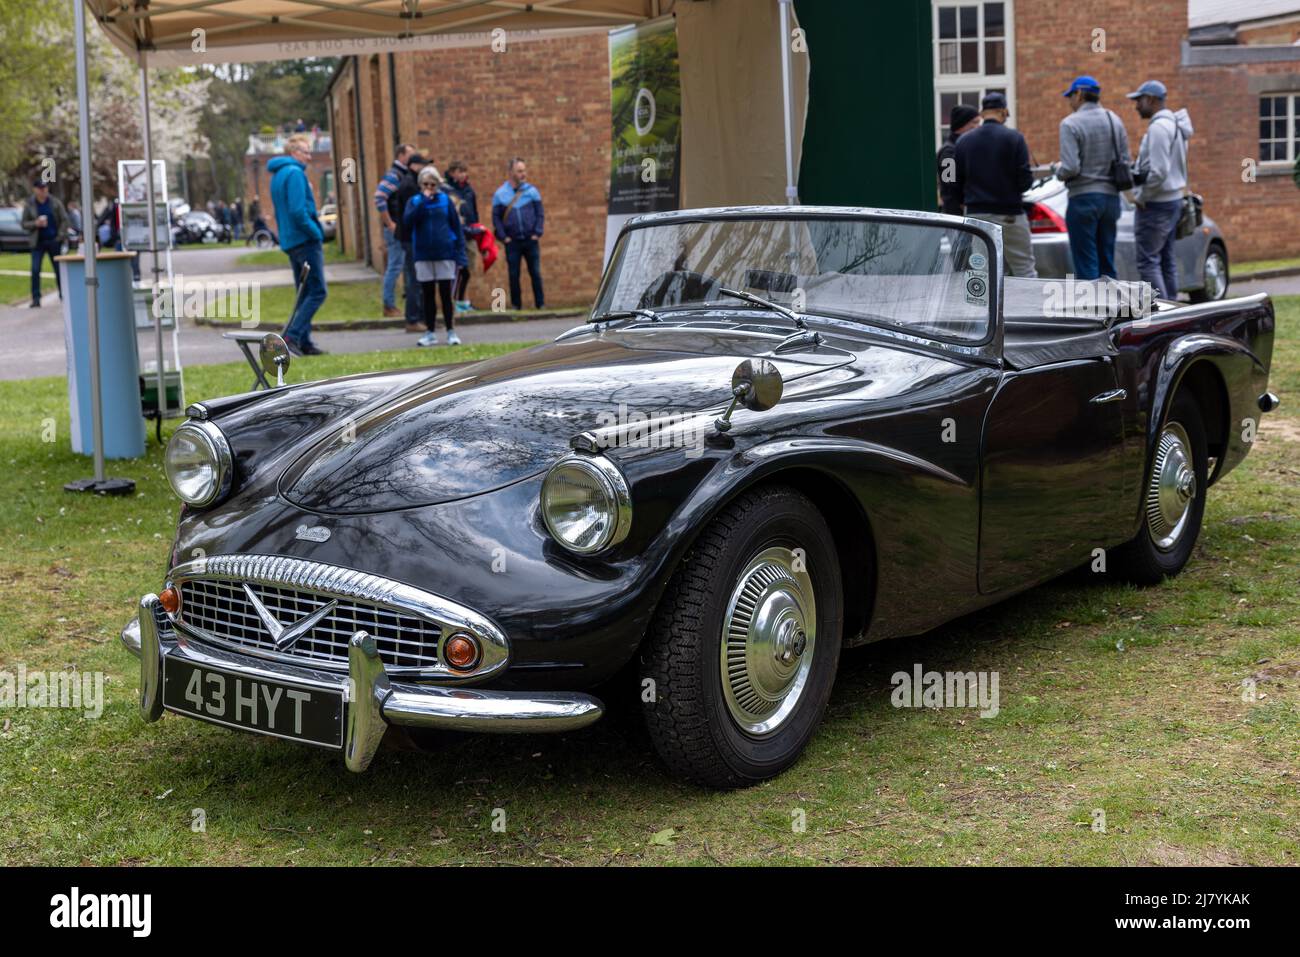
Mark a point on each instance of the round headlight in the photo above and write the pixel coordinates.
(586, 504)
(198, 463)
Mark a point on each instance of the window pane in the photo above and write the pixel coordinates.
(969, 22)
(995, 62)
(1265, 152)
(994, 20)
(970, 56)
(947, 23)
(948, 58)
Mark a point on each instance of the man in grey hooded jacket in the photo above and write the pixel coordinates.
(1161, 173)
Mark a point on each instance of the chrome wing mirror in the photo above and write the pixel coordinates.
(757, 385)
(274, 355)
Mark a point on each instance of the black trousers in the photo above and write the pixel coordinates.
(433, 292)
(530, 250)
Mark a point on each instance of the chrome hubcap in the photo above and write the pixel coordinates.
(1215, 269)
(1171, 488)
(768, 638)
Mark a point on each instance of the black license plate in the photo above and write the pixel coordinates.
(282, 709)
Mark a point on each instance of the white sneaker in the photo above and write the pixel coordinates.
(453, 339)
(428, 339)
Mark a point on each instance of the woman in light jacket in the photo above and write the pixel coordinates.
(438, 247)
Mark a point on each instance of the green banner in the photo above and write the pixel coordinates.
(646, 107)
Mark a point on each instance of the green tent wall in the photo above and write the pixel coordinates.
(869, 134)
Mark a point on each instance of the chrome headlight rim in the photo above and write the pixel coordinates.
(610, 478)
(223, 461)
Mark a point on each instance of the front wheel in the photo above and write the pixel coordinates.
(742, 653)
(1173, 499)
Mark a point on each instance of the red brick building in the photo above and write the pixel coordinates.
(544, 100)
(257, 181)
(1226, 61)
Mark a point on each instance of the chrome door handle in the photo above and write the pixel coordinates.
(1115, 395)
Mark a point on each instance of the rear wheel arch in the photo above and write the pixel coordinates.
(1202, 380)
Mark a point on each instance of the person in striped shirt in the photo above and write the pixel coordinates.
(395, 257)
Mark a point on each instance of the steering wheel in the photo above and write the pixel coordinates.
(678, 286)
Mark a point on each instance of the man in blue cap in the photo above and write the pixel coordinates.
(1092, 142)
(993, 172)
(1161, 174)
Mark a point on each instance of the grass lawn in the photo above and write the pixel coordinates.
(18, 289)
(1244, 269)
(276, 257)
(347, 303)
(1114, 699)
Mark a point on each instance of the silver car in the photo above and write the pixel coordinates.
(1202, 256)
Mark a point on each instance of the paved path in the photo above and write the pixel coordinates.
(33, 340)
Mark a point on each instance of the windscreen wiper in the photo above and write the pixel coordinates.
(790, 314)
(625, 314)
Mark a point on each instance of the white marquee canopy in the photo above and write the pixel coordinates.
(742, 102)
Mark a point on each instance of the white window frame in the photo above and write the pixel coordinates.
(958, 82)
(1292, 98)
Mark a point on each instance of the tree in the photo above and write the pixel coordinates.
(34, 72)
(116, 131)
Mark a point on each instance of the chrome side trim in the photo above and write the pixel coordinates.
(1114, 395)
(334, 581)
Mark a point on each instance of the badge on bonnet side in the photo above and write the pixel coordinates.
(312, 533)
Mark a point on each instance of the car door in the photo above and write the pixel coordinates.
(1052, 472)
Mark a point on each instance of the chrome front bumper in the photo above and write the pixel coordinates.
(373, 701)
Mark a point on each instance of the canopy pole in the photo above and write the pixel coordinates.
(153, 232)
(791, 190)
(87, 237)
(99, 484)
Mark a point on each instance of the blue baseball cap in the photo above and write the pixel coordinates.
(1149, 88)
(1086, 83)
(994, 101)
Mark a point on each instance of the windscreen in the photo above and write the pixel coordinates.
(926, 279)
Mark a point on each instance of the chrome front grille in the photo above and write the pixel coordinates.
(221, 608)
(407, 623)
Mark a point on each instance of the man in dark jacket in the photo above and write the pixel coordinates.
(993, 171)
(407, 186)
(46, 222)
(961, 119)
(300, 238)
(462, 193)
(518, 220)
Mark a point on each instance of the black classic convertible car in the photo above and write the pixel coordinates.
(783, 432)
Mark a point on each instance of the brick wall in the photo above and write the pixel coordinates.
(257, 181)
(1054, 44)
(1260, 219)
(547, 101)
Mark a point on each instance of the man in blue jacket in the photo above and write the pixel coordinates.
(518, 220)
(300, 238)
